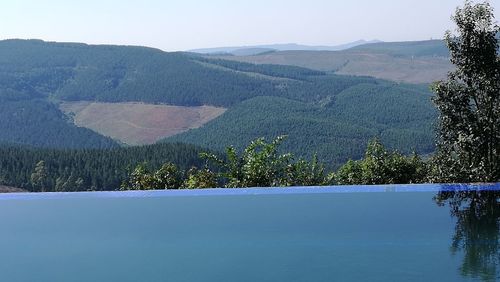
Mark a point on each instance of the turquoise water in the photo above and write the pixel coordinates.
(375, 234)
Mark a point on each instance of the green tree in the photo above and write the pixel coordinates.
(200, 178)
(380, 166)
(139, 179)
(304, 173)
(167, 177)
(468, 101)
(231, 165)
(263, 166)
(39, 177)
(260, 165)
(70, 184)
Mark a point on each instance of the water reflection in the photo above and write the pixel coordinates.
(477, 230)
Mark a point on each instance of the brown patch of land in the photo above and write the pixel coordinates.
(138, 123)
(7, 189)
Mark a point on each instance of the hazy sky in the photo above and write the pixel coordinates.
(186, 24)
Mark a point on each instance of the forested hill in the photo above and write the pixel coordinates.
(38, 122)
(337, 129)
(334, 115)
(31, 69)
(68, 71)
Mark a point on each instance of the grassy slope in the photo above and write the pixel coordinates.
(411, 62)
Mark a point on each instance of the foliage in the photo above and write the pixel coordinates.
(163, 166)
(380, 166)
(69, 184)
(304, 173)
(140, 179)
(200, 178)
(261, 165)
(167, 176)
(469, 101)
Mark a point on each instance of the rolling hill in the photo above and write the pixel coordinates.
(333, 115)
(410, 62)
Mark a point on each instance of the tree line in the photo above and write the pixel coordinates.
(261, 164)
(38, 169)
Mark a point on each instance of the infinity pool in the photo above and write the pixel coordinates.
(377, 233)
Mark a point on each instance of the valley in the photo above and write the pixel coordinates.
(78, 96)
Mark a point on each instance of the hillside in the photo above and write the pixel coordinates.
(334, 115)
(38, 122)
(410, 62)
(337, 129)
(79, 72)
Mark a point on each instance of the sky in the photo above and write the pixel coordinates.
(177, 25)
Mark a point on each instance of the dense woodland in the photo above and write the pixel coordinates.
(175, 166)
(335, 129)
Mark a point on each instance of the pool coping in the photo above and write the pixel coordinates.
(405, 188)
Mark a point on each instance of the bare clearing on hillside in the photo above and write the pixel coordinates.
(138, 123)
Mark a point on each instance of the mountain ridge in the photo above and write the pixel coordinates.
(237, 50)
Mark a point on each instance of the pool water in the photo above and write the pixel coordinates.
(294, 234)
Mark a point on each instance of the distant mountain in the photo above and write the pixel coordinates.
(411, 62)
(259, 49)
